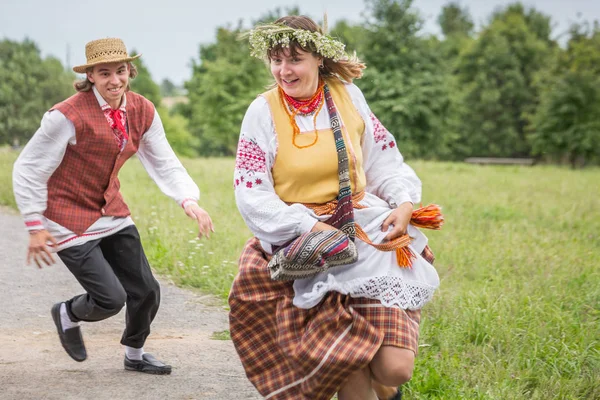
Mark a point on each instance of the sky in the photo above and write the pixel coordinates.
(168, 33)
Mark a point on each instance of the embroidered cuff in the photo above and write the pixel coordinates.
(187, 202)
(34, 224)
(404, 198)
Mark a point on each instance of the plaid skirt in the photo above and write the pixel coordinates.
(294, 353)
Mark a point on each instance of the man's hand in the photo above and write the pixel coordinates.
(205, 225)
(38, 250)
(399, 218)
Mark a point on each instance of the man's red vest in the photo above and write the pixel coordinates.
(85, 185)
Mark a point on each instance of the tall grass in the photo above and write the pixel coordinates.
(517, 315)
(518, 312)
(7, 158)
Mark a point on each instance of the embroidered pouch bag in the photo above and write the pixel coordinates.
(312, 253)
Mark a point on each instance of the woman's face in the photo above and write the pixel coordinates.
(298, 75)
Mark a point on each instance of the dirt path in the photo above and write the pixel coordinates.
(33, 365)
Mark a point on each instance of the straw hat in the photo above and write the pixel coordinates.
(104, 51)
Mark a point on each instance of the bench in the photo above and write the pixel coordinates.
(499, 161)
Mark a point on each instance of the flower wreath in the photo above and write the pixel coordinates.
(265, 37)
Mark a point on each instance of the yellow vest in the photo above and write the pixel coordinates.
(310, 175)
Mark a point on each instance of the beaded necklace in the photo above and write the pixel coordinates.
(294, 107)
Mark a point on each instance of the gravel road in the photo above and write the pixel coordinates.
(33, 365)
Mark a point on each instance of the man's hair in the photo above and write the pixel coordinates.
(84, 85)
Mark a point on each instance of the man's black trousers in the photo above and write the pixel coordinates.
(114, 271)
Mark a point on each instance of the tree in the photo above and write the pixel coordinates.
(178, 134)
(392, 41)
(457, 25)
(538, 23)
(455, 21)
(29, 86)
(566, 124)
(352, 35)
(222, 86)
(143, 83)
(168, 89)
(406, 81)
(497, 76)
(224, 82)
(583, 50)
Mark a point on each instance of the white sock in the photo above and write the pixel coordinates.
(65, 320)
(134, 354)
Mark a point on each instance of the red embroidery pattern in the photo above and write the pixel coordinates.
(379, 131)
(248, 182)
(381, 134)
(250, 157)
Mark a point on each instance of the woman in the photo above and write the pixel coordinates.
(352, 329)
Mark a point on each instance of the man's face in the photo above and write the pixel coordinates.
(111, 81)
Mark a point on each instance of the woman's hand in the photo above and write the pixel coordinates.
(38, 250)
(399, 218)
(322, 226)
(205, 225)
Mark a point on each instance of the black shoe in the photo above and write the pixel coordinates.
(70, 339)
(398, 395)
(147, 364)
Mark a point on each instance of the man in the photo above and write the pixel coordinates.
(66, 186)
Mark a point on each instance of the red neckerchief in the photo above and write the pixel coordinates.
(117, 120)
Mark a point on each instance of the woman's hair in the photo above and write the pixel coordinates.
(347, 69)
(84, 85)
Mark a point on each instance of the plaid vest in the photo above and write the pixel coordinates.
(85, 185)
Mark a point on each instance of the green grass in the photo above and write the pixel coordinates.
(7, 158)
(222, 335)
(517, 315)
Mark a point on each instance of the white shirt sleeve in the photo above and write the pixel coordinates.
(267, 216)
(36, 164)
(163, 166)
(388, 176)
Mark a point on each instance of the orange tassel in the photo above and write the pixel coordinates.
(404, 257)
(429, 217)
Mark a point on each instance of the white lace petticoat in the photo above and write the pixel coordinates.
(376, 274)
(400, 287)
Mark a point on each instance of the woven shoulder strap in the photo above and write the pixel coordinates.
(343, 217)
